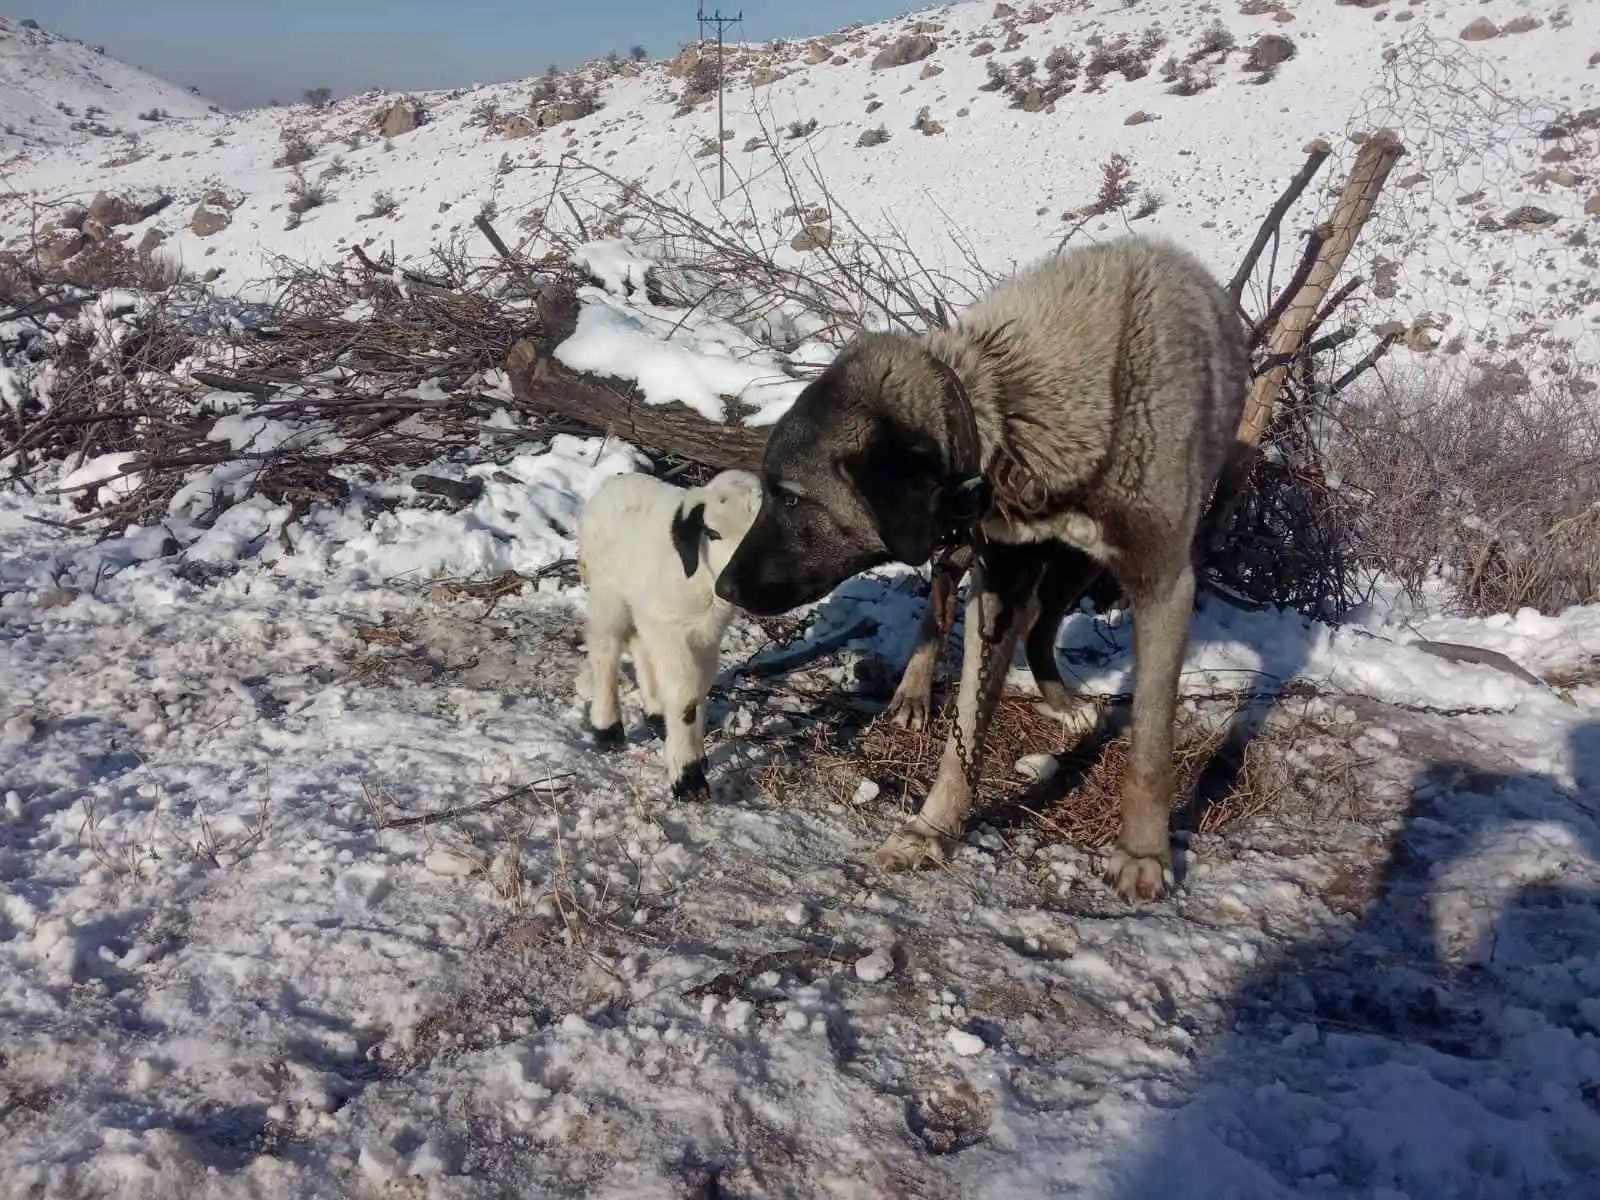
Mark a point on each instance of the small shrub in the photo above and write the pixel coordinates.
(354, 140)
(336, 169)
(800, 129)
(702, 79)
(319, 97)
(384, 204)
(1456, 482)
(873, 137)
(1149, 205)
(155, 114)
(1063, 62)
(1186, 80)
(1116, 185)
(296, 149)
(638, 53)
(305, 195)
(1120, 57)
(1215, 39)
(485, 112)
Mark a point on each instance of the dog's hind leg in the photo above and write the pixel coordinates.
(1141, 866)
(1005, 601)
(1065, 581)
(913, 698)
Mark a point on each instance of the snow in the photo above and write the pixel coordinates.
(694, 361)
(875, 967)
(310, 883)
(963, 1043)
(103, 472)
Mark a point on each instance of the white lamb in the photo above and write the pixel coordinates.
(649, 554)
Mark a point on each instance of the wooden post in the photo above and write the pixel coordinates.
(1333, 241)
(1374, 161)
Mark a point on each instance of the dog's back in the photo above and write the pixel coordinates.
(1120, 371)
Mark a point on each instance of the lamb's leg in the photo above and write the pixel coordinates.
(608, 630)
(1005, 601)
(648, 692)
(1141, 866)
(683, 673)
(1065, 580)
(912, 700)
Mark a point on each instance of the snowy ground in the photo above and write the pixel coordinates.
(222, 975)
(310, 886)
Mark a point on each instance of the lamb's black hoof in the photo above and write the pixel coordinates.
(657, 725)
(609, 738)
(692, 785)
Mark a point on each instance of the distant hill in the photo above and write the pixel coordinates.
(56, 90)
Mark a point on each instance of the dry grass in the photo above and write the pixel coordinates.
(1080, 803)
(1492, 487)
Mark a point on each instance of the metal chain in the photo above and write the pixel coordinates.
(971, 764)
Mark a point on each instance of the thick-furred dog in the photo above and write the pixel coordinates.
(1076, 416)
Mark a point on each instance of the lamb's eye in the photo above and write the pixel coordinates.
(713, 536)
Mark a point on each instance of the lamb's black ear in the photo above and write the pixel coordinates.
(687, 530)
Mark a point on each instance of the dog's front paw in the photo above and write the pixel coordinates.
(1137, 878)
(609, 738)
(909, 708)
(1076, 718)
(691, 784)
(910, 846)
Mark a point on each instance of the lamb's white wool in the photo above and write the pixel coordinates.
(649, 554)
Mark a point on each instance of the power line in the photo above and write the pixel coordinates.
(721, 23)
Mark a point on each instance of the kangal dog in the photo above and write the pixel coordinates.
(1077, 416)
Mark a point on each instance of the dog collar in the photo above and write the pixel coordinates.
(964, 499)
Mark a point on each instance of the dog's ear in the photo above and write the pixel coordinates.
(898, 477)
(687, 530)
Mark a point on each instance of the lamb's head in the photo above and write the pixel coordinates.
(712, 519)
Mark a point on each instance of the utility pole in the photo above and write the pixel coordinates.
(720, 22)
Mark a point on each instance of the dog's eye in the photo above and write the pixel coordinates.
(790, 500)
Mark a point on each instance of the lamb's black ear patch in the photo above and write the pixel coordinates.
(687, 529)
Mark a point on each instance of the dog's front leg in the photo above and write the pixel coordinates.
(1140, 867)
(913, 699)
(1004, 602)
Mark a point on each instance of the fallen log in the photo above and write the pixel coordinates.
(543, 385)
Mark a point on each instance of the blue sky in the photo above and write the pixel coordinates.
(248, 53)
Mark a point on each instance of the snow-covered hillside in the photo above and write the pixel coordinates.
(56, 91)
(1480, 247)
(312, 884)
